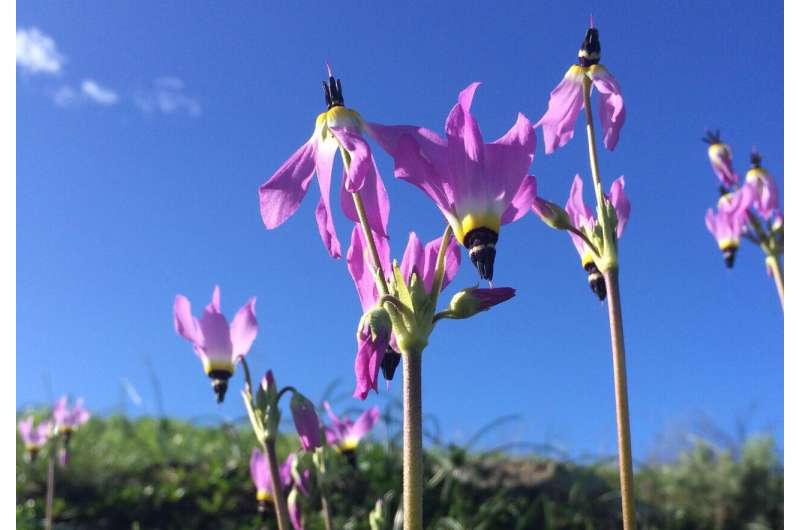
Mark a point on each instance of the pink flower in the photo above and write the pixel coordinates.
(218, 345)
(345, 433)
(477, 186)
(337, 129)
(374, 336)
(34, 436)
(306, 422)
(721, 158)
(67, 420)
(566, 100)
(764, 188)
(728, 223)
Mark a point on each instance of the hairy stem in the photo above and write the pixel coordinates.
(281, 509)
(777, 274)
(621, 395)
(412, 440)
(51, 489)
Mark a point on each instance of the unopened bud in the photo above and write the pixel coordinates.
(552, 214)
(472, 301)
(376, 323)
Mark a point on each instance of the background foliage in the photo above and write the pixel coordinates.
(164, 474)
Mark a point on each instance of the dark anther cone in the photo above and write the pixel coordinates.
(729, 255)
(333, 92)
(219, 382)
(264, 507)
(480, 243)
(350, 455)
(596, 281)
(589, 53)
(389, 363)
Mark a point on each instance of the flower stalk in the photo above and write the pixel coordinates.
(51, 488)
(412, 440)
(777, 274)
(609, 266)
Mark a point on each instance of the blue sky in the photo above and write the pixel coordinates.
(142, 140)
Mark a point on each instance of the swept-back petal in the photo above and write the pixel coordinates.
(619, 200)
(325, 155)
(244, 329)
(452, 261)
(465, 150)
(509, 157)
(612, 107)
(360, 156)
(413, 258)
(216, 337)
(365, 423)
(282, 194)
(375, 199)
(566, 102)
(359, 264)
(186, 324)
(522, 200)
(259, 472)
(367, 366)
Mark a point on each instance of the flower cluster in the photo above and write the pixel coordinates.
(63, 422)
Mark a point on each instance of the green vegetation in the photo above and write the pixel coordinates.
(166, 474)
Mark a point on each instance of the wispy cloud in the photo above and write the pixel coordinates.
(37, 52)
(89, 91)
(98, 94)
(167, 96)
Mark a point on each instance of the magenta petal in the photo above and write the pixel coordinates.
(216, 337)
(375, 199)
(360, 157)
(413, 259)
(579, 214)
(359, 265)
(282, 194)
(244, 329)
(368, 363)
(259, 472)
(566, 102)
(305, 421)
(365, 423)
(509, 158)
(465, 149)
(214, 305)
(452, 261)
(186, 324)
(612, 107)
(25, 428)
(522, 201)
(324, 167)
(620, 203)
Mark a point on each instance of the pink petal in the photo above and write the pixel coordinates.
(367, 366)
(375, 199)
(282, 194)
(612, 107)
(509, 157)
(360, 156)
(522, 200)
(324, 167)
(365, 423)
(244, 329)
(359, 264)
(566, 102)
(25, 428)
(452, 261)
(186, 324)
(621, 204)
(465, 150)
(214, 306)
(413, 259)
(216, 337)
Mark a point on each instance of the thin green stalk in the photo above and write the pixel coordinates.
(281, 508)
(611, 276)
(326, 511)
(412, 440)
(51, 489)
(373, 250)
(777, 274)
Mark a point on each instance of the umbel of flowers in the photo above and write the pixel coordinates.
(595, 234)
(477, 186)
(749, 211)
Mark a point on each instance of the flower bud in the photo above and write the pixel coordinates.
(472, 301)
(375, 325)
(552, 214)
(305, 421)
(267, 404)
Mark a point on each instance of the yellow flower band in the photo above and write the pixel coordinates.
(217, 366)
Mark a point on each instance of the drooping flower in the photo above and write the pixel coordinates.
(728, 223)
(259, 473)
(721, 158)
(306, 421)
(34, 436)
(345, 434)
(419, 261)
(66, 419)
(566, 100)
(337, 129)
(584, 220)
(765, 190)
(218, 345)
(477, 186)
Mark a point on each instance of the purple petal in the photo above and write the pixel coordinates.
(214, 306)
(612, 107)
(306, 422)
(413, 259)
(452, 261)
(368, 364)
(365, 423)
(216, 337)
(375, 199)
(359, 264)
(579, 214)
(465, 150)
(282, 194)
(259, 471)
(566, 102)
(25, 428)
(186, 324)
(621, 204)
(509, 157)
(244, 329)
(522, 201)
(721, 159)
(324, 166)
(360, 157)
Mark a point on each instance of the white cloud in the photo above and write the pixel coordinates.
(37, 52)
(98, 94)
(168, 97)
(66, 96)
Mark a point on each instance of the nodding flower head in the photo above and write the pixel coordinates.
(728, 223)
(218, 345)
(34, 436)
(765, 190)
(259, 473)
(566, 99)
(477, 186)
(66, 419)
(306, 421)
(338, 129)
(721, 158)
(345, 434)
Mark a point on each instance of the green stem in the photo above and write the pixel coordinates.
(248, 382)
(585, 240)
(440, 259)
(326, 510)
(281, 508)
(51, 488)
(373, 250)
(412, 440)
(610, 271)
(777, 274)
